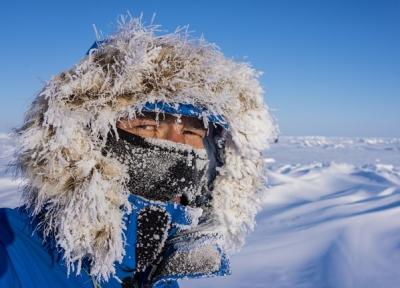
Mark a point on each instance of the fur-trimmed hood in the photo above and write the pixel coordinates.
(80, 193)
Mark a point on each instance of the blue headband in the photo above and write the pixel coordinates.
(185, 110)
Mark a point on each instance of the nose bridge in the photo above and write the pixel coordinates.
(175, 133)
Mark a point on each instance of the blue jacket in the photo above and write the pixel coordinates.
(26, 261)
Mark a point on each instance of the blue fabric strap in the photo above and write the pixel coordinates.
(184, 109)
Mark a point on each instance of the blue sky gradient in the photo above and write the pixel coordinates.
(330, 68)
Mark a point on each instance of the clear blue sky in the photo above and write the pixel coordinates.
(330, 67)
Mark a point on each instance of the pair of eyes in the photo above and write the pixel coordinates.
(185, 131)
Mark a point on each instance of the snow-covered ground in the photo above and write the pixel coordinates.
(330, 216)
(9, 197)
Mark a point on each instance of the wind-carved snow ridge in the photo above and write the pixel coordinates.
(342, 142)
(324, 223)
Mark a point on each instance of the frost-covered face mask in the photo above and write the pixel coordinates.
(161, 169)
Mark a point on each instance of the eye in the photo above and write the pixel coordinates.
(195, 133)
(146, 127)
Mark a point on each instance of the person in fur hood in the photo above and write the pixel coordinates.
(142, 165)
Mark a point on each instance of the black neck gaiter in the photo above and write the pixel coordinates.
(161, 169)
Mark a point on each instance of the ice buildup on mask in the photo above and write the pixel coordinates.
(161, 169)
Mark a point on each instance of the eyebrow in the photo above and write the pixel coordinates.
(195, 124)
(132, 123)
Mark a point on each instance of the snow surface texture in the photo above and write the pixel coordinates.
(9, 186)
(330, 217)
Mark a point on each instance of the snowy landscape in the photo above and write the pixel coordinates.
(329, 217)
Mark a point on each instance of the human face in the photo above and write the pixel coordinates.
(185, 130)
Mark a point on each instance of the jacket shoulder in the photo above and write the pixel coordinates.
(25, 260)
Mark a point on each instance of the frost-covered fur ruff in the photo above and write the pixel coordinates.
(80, 194)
